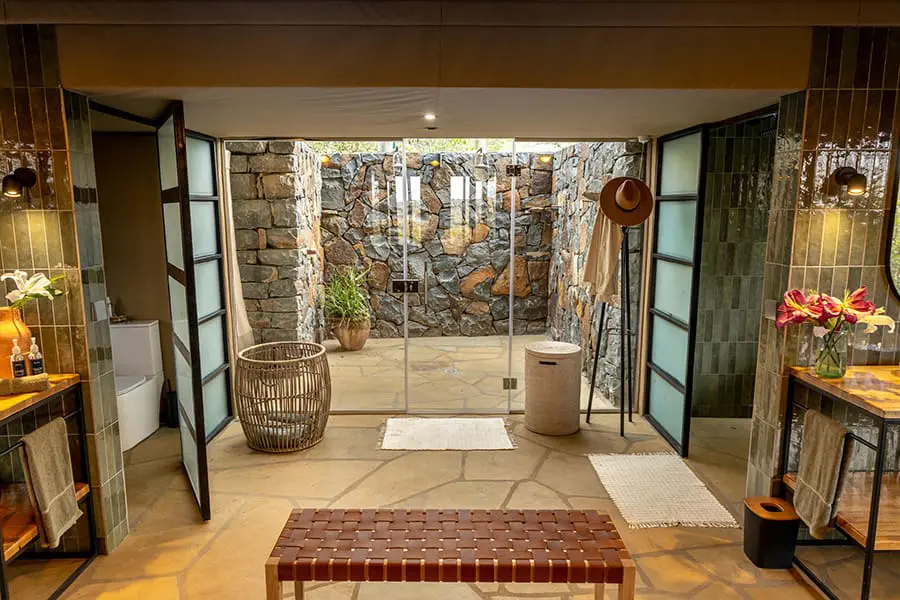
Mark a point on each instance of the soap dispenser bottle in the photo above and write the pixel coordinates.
(17, 361)
(35, 358)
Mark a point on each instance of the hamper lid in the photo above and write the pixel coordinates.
(550, 349)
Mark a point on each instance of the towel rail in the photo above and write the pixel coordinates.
(20, 443)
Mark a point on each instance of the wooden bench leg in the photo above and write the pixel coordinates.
(626, 588)
(598, 591)
(273, 586)
(298, 590)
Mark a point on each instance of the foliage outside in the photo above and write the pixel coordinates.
(345, 296)
(432, 146)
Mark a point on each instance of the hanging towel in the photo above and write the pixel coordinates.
(823, 455)
(48, 477)
(601, 268)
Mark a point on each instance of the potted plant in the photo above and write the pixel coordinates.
(347, 308)
(832, 319)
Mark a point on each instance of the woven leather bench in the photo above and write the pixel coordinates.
(461, 546)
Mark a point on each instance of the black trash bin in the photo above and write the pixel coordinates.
(770, 532)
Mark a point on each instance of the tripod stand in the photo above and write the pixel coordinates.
(624, 342)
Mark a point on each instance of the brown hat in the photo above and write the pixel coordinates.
(624, 200)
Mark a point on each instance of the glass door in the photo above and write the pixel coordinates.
(458, 222)
(190, 215)
(673, 285)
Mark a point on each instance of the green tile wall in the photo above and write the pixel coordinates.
(732, 259)
(55, 230)
(821, 237)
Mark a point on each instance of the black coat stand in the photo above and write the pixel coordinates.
(625, 383)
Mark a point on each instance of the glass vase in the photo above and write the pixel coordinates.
(831, 355)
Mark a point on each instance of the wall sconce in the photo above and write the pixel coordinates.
(15, 184)
(545, 158)
(436, 162)
(855, 181)
(324, 159)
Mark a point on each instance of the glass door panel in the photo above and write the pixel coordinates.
(188, 185)
(456, 251)
(673, 302)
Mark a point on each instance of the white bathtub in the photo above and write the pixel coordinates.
(137, 398)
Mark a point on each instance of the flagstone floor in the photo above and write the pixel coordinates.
(445, 374)
(171, 554)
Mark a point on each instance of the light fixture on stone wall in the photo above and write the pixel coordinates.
(16, 183)
(436, 162)
(545, 158)
(325, 159)
(855, 181)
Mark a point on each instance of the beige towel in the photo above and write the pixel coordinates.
(602, 266)
(822, 462)
(48, 476)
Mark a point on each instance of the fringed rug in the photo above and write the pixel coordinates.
(446, 434)
(659, 490)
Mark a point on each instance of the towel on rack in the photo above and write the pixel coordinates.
(601, 267)
(48, 477)
(823, 454)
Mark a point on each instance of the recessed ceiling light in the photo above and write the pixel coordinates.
(430, 116)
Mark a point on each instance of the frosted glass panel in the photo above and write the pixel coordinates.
(200, 167)
(675, 233)
(215, 402)
(168, 166)
(184, 387)
(203, 228)
(189, 458)
(669, 348)
(672, 293)
(212, 346)
(680, 165)
(178, 308)
(172, 222)
(666, 405)
(209, 296)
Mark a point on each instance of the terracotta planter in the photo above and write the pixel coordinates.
(351, 334)
(11, 327)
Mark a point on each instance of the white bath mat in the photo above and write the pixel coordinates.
(659, 490)
(446, 434)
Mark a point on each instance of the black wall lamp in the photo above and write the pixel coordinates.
(15, 184)
(854, 180)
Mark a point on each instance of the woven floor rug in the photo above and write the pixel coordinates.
(446, 434)
(658, 490)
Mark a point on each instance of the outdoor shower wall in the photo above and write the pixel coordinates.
(573, 314)
(275, 190)
(458, 240)
(732, 259)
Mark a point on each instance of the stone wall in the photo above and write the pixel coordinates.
(458, 239)
(276, 195)
(573, 314)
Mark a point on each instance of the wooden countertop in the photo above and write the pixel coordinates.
(874, 389)
(10, 405)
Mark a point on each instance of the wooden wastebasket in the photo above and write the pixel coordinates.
(283, 395)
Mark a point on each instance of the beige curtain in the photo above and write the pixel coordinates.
(241, 332)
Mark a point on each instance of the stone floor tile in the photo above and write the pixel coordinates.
(471, 494)
(531, 494)
(161, 588)
(672, 574)
(343, 590)
(728, 563)
(717, 591)
(417, 591)
(570, 475)
(508, 466)
(313, 479)
(406, 476)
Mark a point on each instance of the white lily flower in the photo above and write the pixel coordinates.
(36, 285)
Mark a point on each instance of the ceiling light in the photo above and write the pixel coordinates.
(855, 181)
(545, 158)
(15, 184)
(430, 116)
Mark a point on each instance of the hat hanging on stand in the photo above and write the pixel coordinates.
(626, 202)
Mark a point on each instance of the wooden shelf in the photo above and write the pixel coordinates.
(12, 405)
(17, 517)
(853, 508)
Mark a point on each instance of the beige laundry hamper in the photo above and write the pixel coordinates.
(552, 387)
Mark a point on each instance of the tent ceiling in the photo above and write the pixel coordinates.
(348, 113)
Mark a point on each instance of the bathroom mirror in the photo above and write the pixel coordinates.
(892, 260)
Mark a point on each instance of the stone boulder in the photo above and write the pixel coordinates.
(468, 285)
(521, 285)
(476, 325)
(340, 252)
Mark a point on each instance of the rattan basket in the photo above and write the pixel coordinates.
(283, 395)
